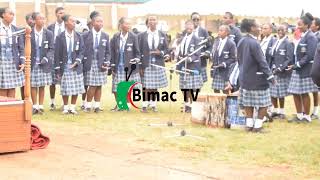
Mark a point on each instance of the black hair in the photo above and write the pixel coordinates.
(94, 14)
(247, 24)
(317, 22)
(194, 13)
(28, 16)
(66, 17)
(2, 11)
(59, 9)
(121, 21)
(229, 14)
(34, 15)
(307, 19)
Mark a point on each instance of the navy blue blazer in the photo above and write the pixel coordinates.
(226, 58)
(145, 50)
(254, 70)
(283, 57)
(305, 54)
(195, 64)
(103, 51)
(17, 48)
(131, 51)
(46, 50)
(235, 34)
(61, 54)
(268, 52)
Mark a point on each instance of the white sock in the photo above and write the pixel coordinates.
(281, 110)
(153, 103)
(145, 104)
(72, 107)
(97, 105)
(265, 119)
(52, 101)
(35, 106)
(93, 104)
(299, 116)
(88, 105)
(315, 110)
(275, 110)
(41, 107)
(308, 117)
(66, 107)
(84, 103)
(258, 123)
(249, 122)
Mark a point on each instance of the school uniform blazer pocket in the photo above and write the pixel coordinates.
(259, 73)
(282, 52)
(303, 48)
(104, 42)
(46, 44)
(226, 54)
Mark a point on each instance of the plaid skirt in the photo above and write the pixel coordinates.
(95, 77)
(254, 98)
(40, 78)
(301, 85)
(9, 77)
(154, 78)
(280, 90)
(121, 76)
(218, 83)
(204, 74)
(72, 83)
(192, 81)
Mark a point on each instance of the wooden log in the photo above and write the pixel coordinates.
(27, 87)
(217, 111)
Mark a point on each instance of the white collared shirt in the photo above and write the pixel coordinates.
(298, 42)
(94, 34)
(187, 38)
(3, 31)
(56, 29)
(123, 39)
(155, 35)
(68, 37)
(277, 44)
(222, 43)
(38, 35)
(264, 44)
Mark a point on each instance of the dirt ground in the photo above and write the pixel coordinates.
(83, 153)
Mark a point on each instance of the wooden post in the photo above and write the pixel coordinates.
(27, 88)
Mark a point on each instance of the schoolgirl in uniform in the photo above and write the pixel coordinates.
(224, 55)
(96, 61)
(153, 47)
(193, 80)
(56, 28)
(124, 51)
(301, 83)
(254, 76)
(41, 61)
(281, 57)
(68, 64)
(202, 34)
(11, 55)
(315, 28)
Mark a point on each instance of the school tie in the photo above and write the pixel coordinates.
(59, 29)
(7, 38)
(37, 49)
(121, 62)
(184, 47)
(153, 47)
(70, 51)
(96, 45)
(153, 42)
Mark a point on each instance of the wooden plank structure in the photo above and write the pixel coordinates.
(15, 115)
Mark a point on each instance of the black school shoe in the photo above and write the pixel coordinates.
(35, 111)
(97, 110)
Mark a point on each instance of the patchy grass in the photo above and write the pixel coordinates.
(295, 146)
